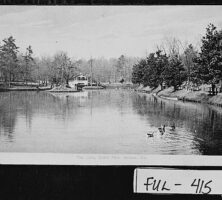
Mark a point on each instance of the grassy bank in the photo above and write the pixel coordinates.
(23, 88)
(93, 88)
(119, 86)
(63, 88)
(185, 95)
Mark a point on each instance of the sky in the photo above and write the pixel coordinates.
(104, 31)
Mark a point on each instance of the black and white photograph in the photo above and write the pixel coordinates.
(110, 102)
(116, 80)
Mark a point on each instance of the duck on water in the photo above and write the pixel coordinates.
(161, 130)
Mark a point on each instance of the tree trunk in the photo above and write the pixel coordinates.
(161, 86)
(175, 88)
(213, 88)
(10, 77)
(220, 89)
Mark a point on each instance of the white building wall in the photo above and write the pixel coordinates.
(73, 83)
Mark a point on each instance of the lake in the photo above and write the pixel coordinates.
(107, 122)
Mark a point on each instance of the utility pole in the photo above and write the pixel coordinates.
(91, 70)
(26, 68)
(39, 76)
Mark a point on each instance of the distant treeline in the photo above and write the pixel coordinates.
(108, 70)
(59, 68)
(168, 66)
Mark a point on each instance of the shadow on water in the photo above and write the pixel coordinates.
(203, 121)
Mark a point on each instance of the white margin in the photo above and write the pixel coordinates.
(108, 159)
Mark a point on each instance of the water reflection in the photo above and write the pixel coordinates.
(202, 121)
(7, 116)
(108, 121)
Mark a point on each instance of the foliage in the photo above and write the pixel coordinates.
(158, 69)
(63, 69)
(149, 72)
(8, 59)
(191, 67)
(106, 70)
(209, 62)
(27, 67)
(154, 72)
(171, 68)
(174, 73)
(120, 67)
(138, 72)
(188, 57)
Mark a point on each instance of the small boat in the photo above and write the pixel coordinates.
(169, 98)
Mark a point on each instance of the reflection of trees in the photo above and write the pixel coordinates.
(198, 119)
(61, 106)
(27, 104)
(109, 98)
(201, 120)
(7, 115)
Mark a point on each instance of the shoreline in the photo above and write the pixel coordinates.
(184, 95)
(64, 91)
(93, 88)
(168, 93)
(47, 89)
(24, 89)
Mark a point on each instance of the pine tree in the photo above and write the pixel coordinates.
(154, 72)
(28, 64)
(174, 74)
(138, 72)
(209, 62)
(8, 59)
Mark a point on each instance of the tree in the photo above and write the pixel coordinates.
(138, 71)
(28, 64)
(105, 70)
(130, 62)
(8, 59)
(170, 46)
(174, 73)
(149, 71)
(44, 70)
(154, 72)
(188, 57)
(209, 62)
(63, 68)
(121, 67)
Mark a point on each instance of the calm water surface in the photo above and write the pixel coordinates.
(106, 121)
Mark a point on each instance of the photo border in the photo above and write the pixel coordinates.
(14, 158)
(108, 159)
